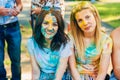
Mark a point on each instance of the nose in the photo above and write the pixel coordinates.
(50, 27)
(84, 22)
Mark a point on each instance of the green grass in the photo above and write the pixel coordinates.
(109, 13)
(26, 33)
(7, 62)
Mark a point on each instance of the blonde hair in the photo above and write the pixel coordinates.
(77, 33)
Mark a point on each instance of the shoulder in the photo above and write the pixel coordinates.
(30, 45)
(107, 44)
(30, 42)
(106, 41)
(106, 37)
(115, 34)
(71, 38)
(66, 51)
(67, 45)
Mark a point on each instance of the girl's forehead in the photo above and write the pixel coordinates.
(49, 16)
(83, 13)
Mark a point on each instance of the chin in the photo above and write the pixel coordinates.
(89, 31)
(49, 38)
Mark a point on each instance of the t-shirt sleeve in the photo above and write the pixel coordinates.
(30, 46)
(67, 50)
(107, 45)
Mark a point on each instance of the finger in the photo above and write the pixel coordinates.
(14, 12)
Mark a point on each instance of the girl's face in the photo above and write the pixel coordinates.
(49, 26)
(86, 20)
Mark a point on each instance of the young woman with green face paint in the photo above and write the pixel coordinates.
(49, 47)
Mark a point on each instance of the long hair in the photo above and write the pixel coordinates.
(77, 33)
(60, 37)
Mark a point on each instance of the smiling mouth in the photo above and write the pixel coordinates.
(50, 31)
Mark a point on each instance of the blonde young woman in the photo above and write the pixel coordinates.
(92, 47)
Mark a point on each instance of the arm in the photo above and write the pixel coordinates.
(104, 59)
(73, 69)
(36, 10)
(17, 8)
(36, 7)
(116, 52)
(34, 64)
(103, 66)
(19, 5)
(14, 12)
(61, 68)
(4, 11)
(63, 62)
(35, 68)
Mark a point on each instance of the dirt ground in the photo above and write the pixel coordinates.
(25, 67)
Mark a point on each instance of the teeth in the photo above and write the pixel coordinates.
(50, 31)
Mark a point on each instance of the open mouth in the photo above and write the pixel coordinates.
(49, 31)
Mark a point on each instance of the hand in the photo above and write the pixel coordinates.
(4, 11)
(15, 11)
(36, 10)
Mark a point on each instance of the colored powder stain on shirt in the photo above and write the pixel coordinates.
(92, 56)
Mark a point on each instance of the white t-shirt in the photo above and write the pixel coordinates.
(47, 59)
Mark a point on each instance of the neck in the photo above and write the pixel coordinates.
(88, 40)
(47, 43)
(89, 35)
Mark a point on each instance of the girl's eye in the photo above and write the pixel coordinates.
(80, 20)
(55, 24)
(87, 17)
